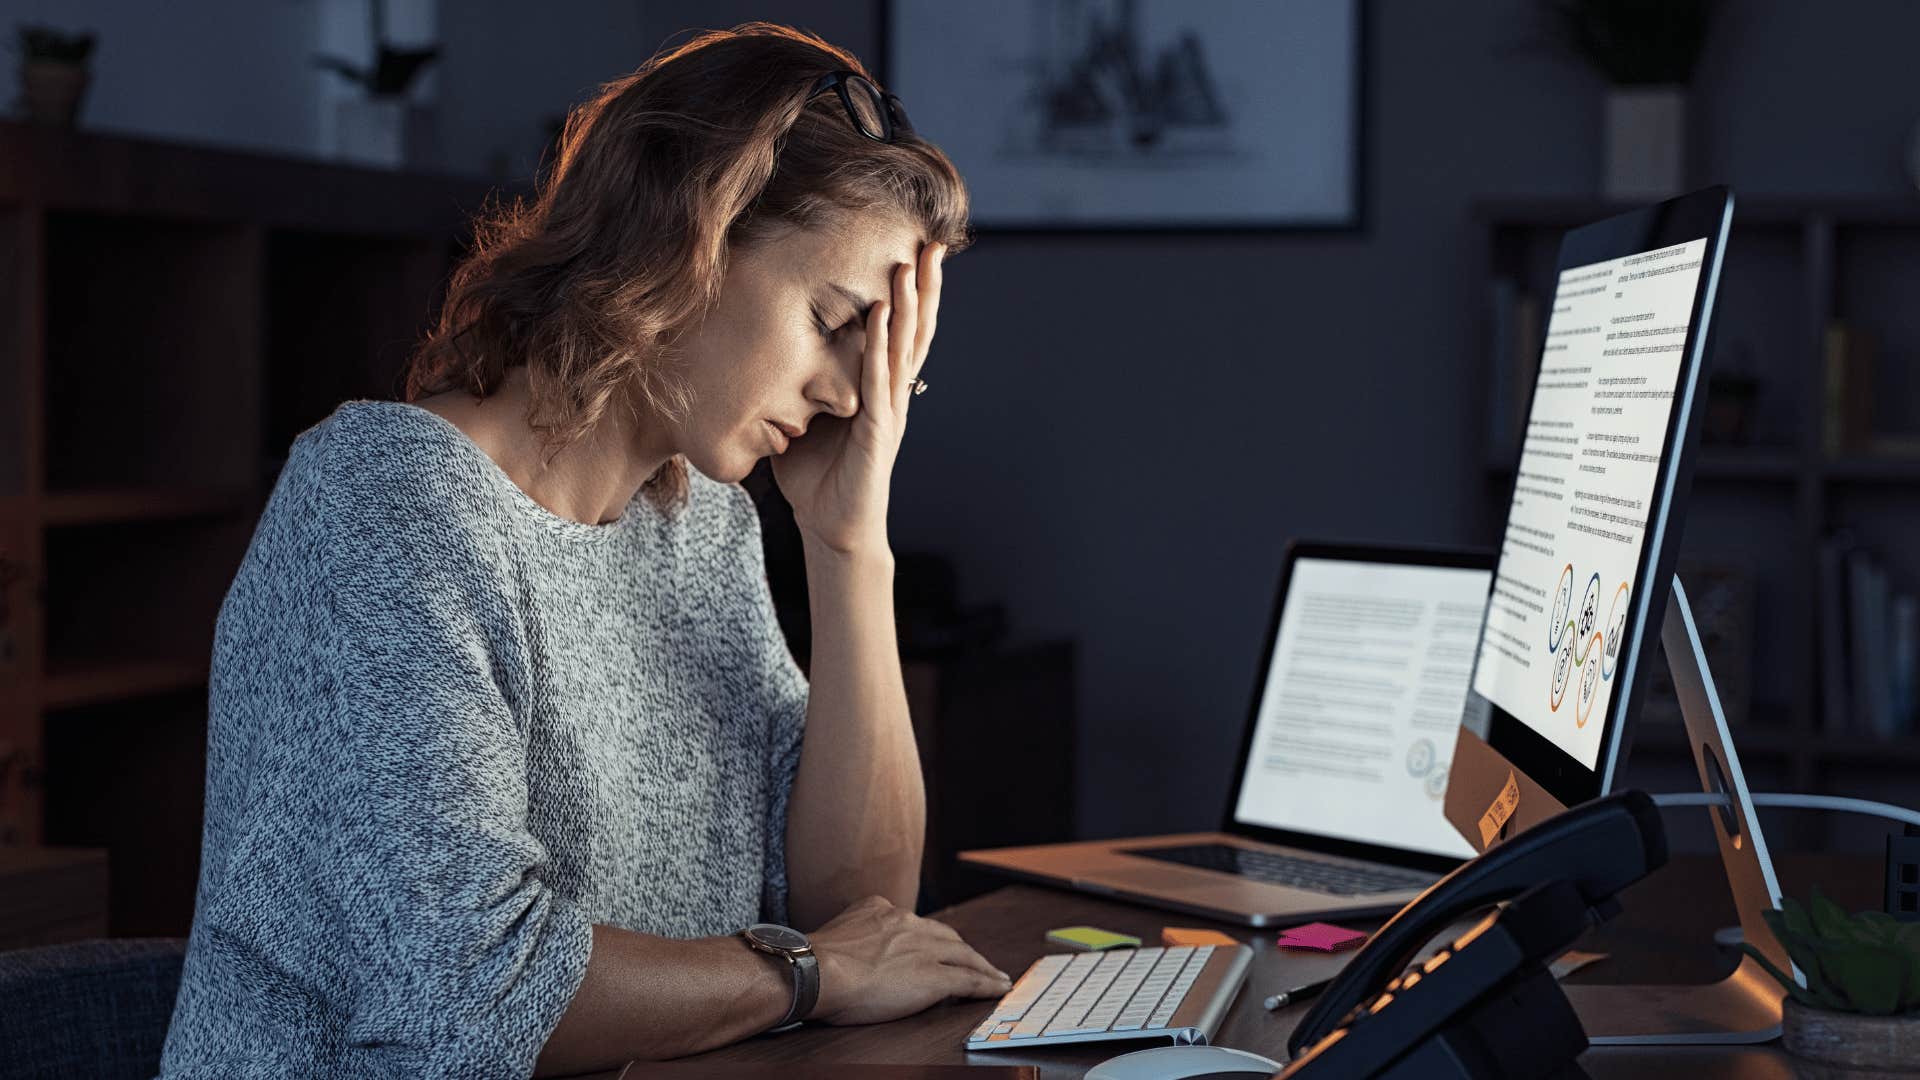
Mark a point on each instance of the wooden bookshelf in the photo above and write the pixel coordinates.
(1792, 268)
(171, 317)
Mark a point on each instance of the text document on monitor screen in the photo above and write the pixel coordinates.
(1581, 496)
(1362, 702)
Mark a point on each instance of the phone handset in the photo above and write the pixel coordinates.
(1596, 849)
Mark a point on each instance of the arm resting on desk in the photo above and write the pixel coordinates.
(651, 997)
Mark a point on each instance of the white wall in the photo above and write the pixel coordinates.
(240, 73)
(215, 72)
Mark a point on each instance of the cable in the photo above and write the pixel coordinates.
(1795, 801)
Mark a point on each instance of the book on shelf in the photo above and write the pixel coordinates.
(1869, 644)
(1836, 675)
(1903, 636)
(1846, 422)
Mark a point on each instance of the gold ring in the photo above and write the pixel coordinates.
(919, 386)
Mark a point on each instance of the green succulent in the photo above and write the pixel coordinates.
(1864, 963)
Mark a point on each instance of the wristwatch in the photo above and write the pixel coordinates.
(791, 944)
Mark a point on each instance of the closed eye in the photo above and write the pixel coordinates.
(834, 334)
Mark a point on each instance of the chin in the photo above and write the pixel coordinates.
(727, 467)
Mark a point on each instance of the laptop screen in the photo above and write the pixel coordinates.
(1363, 695)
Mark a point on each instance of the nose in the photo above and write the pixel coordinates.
(835, 392)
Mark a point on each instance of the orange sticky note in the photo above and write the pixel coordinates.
(1175, 936)
(1501, 811)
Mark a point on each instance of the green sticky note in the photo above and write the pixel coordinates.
(1091, 938)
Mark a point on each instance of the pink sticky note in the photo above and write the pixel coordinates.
(1322, 937)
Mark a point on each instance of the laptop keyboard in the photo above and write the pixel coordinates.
(1274, 868)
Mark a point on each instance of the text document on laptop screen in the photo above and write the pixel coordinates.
(1362, 702)
(1595, 438)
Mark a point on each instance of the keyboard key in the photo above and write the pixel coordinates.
(1015, 1003)
(1108, 1008)
(1083, 999)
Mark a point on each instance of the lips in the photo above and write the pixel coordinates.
(778, 436)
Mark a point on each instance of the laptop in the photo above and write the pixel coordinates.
(1337, 801)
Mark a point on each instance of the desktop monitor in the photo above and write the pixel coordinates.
(1594, 523)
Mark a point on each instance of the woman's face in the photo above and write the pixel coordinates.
(784, 342)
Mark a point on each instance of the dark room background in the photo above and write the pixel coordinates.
(1125, 429)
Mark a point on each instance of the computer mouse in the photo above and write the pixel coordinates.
(1185, 1063)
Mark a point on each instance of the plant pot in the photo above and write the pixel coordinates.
(387, 133)
(1645, 142)
(1835, 1045)
(52, 90)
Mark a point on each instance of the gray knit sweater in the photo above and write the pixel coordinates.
(449, 732)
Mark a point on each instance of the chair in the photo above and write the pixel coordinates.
(88, 1008)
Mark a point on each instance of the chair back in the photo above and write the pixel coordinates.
(88, 1008)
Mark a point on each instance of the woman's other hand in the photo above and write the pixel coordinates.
(878, 962)
(836, 475)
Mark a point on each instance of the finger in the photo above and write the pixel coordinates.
(900, 335)
(964, 982)
(931, 277)
(875, 378)
(960, 954)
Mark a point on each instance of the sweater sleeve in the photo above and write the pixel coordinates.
(460, 956)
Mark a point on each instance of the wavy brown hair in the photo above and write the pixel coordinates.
(704, 151)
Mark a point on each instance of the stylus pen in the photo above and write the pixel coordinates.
(1298, 993)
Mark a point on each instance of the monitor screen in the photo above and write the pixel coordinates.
(1364, 687)
(1576, 528)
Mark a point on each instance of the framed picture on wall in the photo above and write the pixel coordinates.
(1139, 115)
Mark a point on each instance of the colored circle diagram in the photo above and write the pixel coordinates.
(1562, 600)
(1584, 650)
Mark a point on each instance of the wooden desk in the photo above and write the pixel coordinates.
(1008, 927)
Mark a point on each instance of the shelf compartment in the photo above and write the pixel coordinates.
(343, 313)
(130, 777)
(1874, 268)
(152, 352)
(132, 606)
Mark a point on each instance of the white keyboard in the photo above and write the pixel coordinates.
(1180, 993)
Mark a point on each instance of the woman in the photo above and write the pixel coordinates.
(505, 746)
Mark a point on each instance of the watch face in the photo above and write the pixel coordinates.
(778, 937)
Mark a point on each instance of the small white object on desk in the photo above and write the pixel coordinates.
(1174, 1062)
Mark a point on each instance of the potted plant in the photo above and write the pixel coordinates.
(384, 128)
(1859, 1014)
(1646, 50)
(53, 73)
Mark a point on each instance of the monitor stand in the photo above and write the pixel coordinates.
(1744, 1007)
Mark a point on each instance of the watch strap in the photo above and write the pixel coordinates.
(805, 968)
(806, 986)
